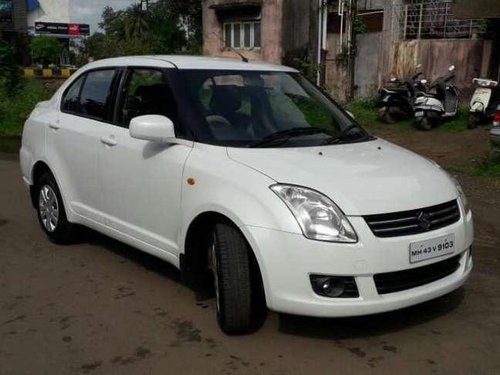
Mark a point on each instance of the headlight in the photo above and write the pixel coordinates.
(461, 196)
(318, 217)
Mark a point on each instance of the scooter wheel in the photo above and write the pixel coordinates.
(425, 124)
(474, 120)
(386, 116)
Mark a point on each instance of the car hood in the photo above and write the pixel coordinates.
(361, 178)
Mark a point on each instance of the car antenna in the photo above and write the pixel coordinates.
(243, 58)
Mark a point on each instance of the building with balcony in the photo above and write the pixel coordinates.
(352, 47)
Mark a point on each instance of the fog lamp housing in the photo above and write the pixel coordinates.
(334, 286)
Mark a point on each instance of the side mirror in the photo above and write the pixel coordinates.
(451, 68)
(154, 128)
(351, 114)
(423, 81)
(418, 66)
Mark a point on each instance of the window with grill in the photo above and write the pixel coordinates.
(242, 34)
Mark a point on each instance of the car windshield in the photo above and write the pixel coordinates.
(265, 109)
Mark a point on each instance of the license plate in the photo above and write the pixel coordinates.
(433, 248)
(419, 113)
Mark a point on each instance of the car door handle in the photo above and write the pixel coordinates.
(54, 125)
(110, 141)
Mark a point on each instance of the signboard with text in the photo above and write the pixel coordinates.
(70, 29)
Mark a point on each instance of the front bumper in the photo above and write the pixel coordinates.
(287, 259)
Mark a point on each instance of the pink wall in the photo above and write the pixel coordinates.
(271, 30)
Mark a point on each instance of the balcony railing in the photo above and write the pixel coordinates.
(434, 19)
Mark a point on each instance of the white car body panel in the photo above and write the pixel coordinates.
(138, 192)
(142, 187)
(342, 171)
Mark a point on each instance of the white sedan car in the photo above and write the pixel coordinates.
(248, 175)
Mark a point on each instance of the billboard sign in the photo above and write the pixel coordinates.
(5, 10)
(71, 29)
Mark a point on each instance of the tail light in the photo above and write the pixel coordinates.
(496, 117)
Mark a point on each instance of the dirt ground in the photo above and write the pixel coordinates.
(100, 307)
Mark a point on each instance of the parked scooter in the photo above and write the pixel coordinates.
(440, 104)
(484, 101)
(397, 98)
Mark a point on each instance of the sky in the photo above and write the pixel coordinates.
(89, 11)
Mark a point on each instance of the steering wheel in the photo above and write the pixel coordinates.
(217, 120)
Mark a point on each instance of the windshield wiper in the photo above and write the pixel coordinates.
(284, 135)
(339, 137)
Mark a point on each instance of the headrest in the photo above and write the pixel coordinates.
(226, 99)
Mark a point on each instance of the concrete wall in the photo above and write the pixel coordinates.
(271, 31)
(436, 55)
(367, 67)
(300, 35)
(336, 79)
(368, 64)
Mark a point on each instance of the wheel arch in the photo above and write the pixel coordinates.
(194, 258)
(39, 168)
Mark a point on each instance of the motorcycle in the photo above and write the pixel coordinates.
(440, 104)
(397, 98)
(484, 101)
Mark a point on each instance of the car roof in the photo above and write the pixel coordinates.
(190, 62)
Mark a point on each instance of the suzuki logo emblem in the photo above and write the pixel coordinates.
(423, 220)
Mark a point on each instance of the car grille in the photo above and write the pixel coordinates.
(401, 280)
(415, 221)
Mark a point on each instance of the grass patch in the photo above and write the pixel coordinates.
(488, 166)
(366, 114)
(458, 124)
(16, 106)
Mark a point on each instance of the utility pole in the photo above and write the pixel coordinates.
(145, 5)
(352, 49)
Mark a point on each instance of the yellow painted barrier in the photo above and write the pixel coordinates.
(65, 73)
(48, 72)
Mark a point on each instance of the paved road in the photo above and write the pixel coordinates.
(101, 307)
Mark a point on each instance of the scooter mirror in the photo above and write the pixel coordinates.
(424, 81)
(393, 79)
(451, 68)
(419, 66)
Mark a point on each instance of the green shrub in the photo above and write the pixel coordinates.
(16, 105)
(10, 73)
(46, 49)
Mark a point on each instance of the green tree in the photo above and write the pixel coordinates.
(100, 46)
(45, 49)
(167, 27)
(10, 73)
(187, 16)
(136, 23)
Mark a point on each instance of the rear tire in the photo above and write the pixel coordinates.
(425, 123)
(235, 292)
(51, 212)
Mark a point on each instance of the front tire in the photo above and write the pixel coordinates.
(234, 290)
(474, 120)
(51, 212)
